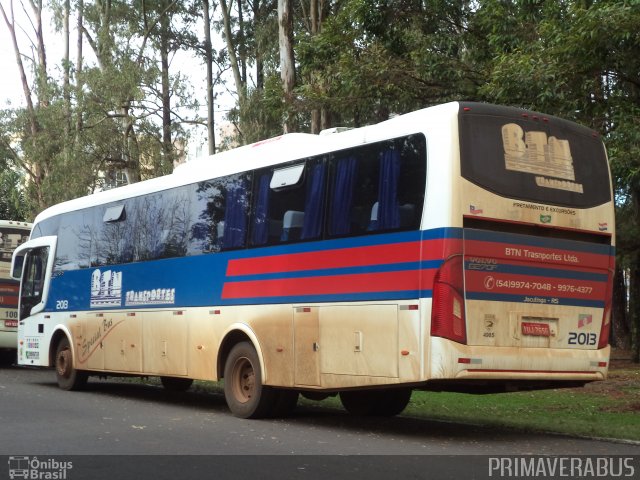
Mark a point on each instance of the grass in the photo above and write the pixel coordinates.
(609, 409)
(559, 411)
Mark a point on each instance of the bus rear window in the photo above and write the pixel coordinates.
(524, 157)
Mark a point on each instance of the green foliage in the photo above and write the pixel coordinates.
(12, 196)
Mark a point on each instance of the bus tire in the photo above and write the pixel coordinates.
(175, 384)
(66, 374)
(244, 392)
(393, 402)
(359, 402)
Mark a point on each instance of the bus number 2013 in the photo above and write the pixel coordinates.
(582, 338)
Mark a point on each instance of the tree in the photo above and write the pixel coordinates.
(287, 60)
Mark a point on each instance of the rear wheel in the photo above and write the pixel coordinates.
(244, 392)
(66, 374)
(384, 403)
(393, 402)
(174, 384)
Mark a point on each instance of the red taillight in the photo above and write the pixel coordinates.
(447, 315)
(605, 329)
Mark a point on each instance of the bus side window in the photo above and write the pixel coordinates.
(289, 203)
(236, 212)
(377, 188)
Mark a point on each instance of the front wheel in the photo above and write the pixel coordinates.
(66, 374)
(244, 392)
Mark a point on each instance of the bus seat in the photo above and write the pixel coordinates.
(373, 223)
(292, 225)
(407, 214)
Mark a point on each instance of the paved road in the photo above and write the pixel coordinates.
(115, 418)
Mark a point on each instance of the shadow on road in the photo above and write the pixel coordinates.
(309, 415)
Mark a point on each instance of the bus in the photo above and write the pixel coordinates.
(12, 234)
(463, 247)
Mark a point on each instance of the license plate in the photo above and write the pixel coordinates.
(536, 329)
(11, 323)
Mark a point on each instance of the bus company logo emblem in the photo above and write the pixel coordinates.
(584, 320)
(106, 289)
(603, 227)
(545, 218)
(475, 211)
(533, 152)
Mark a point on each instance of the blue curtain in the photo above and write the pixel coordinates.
(260, 230)
(342, 199)
(235, 214)
(312, 226)
(388, 208)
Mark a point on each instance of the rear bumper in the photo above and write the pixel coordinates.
(450, 360)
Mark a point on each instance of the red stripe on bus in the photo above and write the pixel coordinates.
(8, 301)
(346, 257)
(9, 289)
(334, 284)
(535, 254)
(505, 283)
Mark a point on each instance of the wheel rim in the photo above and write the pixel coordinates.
(63, 363)
(243, 379)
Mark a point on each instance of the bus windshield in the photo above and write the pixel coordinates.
(533, 157)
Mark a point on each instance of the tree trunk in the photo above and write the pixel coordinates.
(259, 51)
(211, 138)
(621, 334)
(287, 61)
(167, 144)
(79, 82)
(231, 50)
(66, 89)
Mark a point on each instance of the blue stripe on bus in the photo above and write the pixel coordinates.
(503, 297)
(349, 242)
(544, 242)
(542, 272)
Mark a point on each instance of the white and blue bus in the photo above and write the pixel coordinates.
(463, 247)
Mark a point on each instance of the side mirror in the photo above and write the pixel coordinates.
(17, 263)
